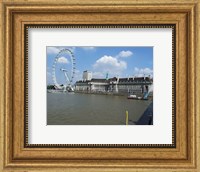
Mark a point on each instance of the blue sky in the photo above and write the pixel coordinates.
(116, 61)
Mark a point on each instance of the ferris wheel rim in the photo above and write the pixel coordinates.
(72, 73)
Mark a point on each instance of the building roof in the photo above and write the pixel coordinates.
(114, 79)
(98, 80)
(86, 71)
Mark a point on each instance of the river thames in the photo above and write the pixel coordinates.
(91, 109)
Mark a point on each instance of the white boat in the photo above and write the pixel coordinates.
(131, 96)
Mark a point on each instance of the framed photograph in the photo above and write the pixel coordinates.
(99, 87)
(96, 85)
(93, 88)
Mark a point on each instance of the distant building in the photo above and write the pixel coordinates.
(87, 75)
(137, 85)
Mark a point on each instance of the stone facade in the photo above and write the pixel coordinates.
(115, 85)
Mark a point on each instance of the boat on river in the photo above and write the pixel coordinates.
(135, 97)
(132, 96)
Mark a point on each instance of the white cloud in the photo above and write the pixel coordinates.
(109, 64)
(56, 50)
(139, 72)
(52, 50)
(88, 48)
(125, 54)
(62, 60)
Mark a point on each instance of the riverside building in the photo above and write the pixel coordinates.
(136, 85)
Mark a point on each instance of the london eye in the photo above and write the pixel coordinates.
(67, 69)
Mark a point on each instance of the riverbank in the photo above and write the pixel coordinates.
(113, 93)
(147, 117)
(101, 93)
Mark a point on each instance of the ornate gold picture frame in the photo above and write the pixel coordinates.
(140, 26)
(17, 155)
